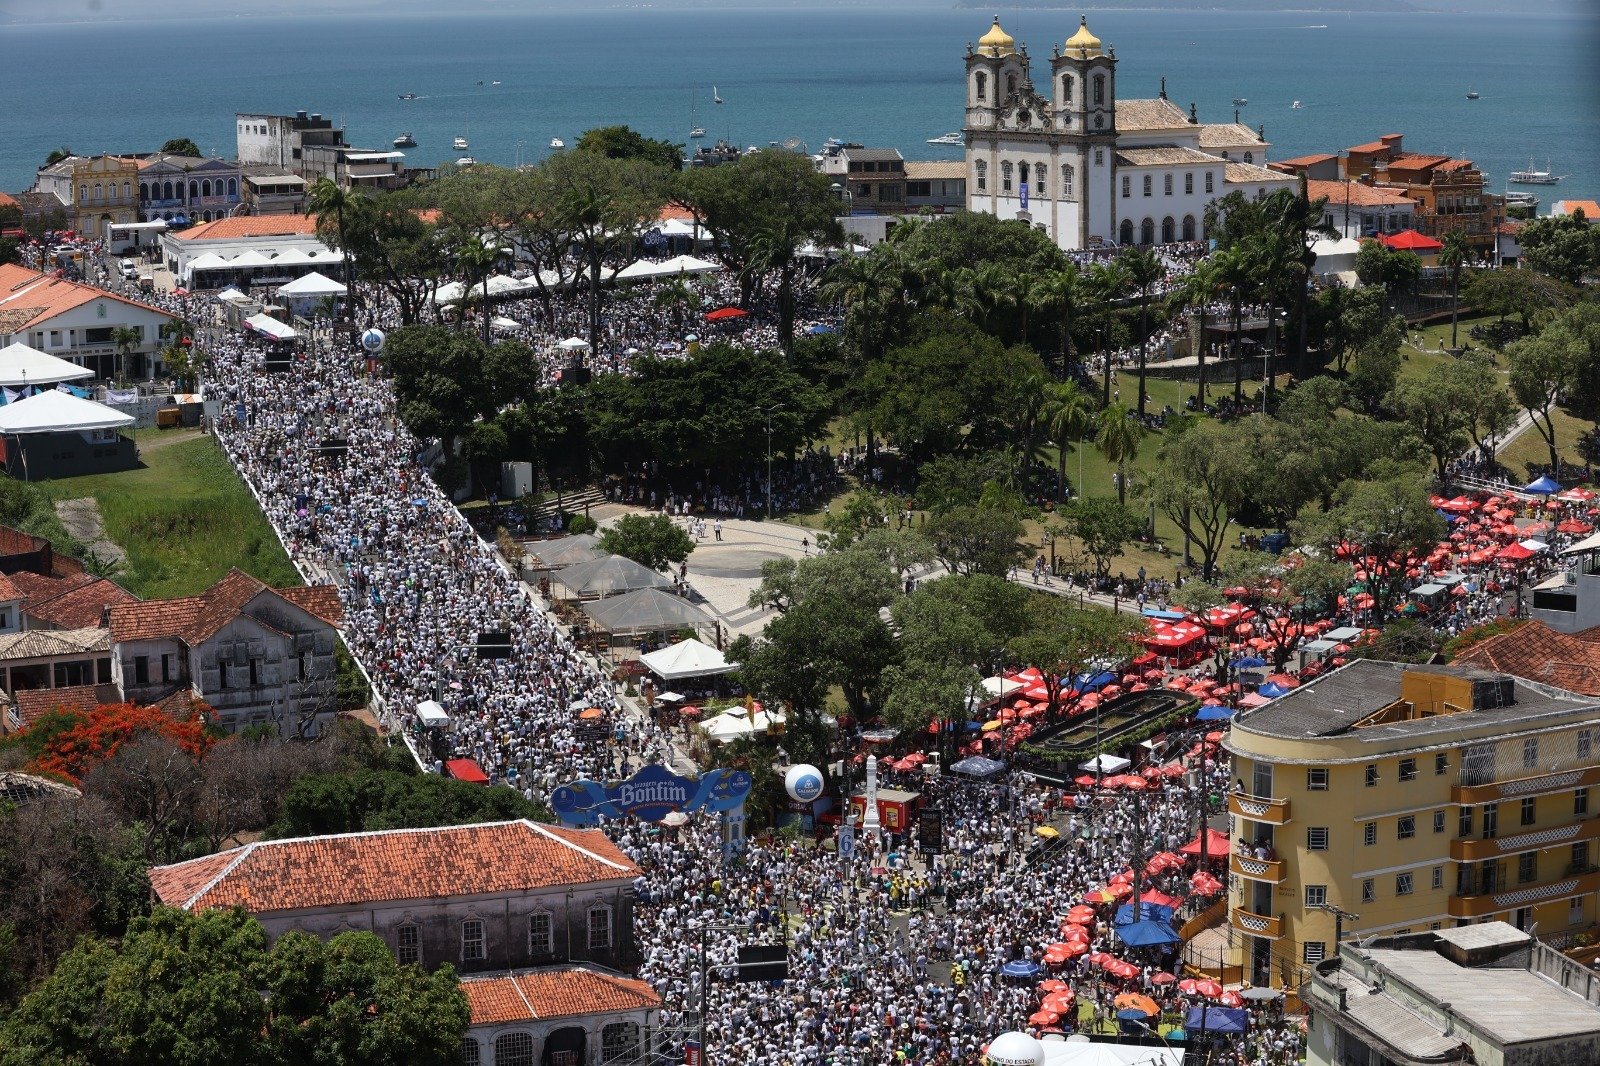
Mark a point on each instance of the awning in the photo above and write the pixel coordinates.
(246, 260)
(565, 551)
(466, 770)
(687, 658)
(613, 574)
(208, 261)
(59, 412)
(271, 327)
(645, 269)
(432, 715)
(1105, 764)
(21, 365)
(311, 286)
(229, 295)
(645, 610)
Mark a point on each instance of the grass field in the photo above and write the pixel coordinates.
(183, 517)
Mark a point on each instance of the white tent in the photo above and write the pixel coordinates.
(432, 715)
(1335, 256)
(21, 365)
(229, 295)
(448, 293)
(1075, 1053)
(645, 269)
(251, 258)
(295, 257)
(59, 412)
(999, 686)
(677, 227)
(1105, 764)
(687, 658)
(505, 325)
(738, 722)
(271, 327)
(208, 261)
(572, 344)
(312, 286)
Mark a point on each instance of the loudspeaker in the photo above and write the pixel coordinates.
(494, 644)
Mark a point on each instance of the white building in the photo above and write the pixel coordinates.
(76, 322)
(248, 250)
(1090, 169)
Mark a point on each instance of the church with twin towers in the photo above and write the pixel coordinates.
(1087, 168)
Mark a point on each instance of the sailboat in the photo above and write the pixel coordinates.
(715, 98)
(696, 131)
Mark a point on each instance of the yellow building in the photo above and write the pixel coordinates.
(94, 191)
(1410, 798)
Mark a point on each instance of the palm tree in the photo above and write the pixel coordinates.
(327, 197)
(983, 291)
(1060, 295)
(476, 260)
(126, 338)
(1199, 288)
(1118, 439)
(1453, 257)
(1107, 282)
(1143, 271)
(1068, 416)
(677, 295)
(1235, 274)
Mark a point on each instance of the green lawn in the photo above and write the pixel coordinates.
(183, 517)
(1530, 448)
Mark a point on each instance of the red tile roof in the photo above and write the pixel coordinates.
(1309, 160)
(401, 864)
(193, 619)
(33, 702)
(81, 606)
(1355, 193)
(1369, 147)
(1412, 161)
(556, 992)
(1535, 651)
(1590, 209)
(7, 200)
(32, 297)
(250, 226)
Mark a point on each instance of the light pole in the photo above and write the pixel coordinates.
(1340, 916)
(767, 412)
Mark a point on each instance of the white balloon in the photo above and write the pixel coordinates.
(803, 782)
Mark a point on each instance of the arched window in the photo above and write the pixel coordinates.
(1011, 84)
(618, 1041)
(99, 191)
(981, 81)
(514, 1049)
(127, 193)
(205, 187)
(1188, 227)
(1099, 122)
(1166, 185)
(471, 1053)
(1066, 88)
(1023, 170)
(194, 189)
(1147, 231)
(1024, 118)
(1149, 184)
(1005, 176)
(1066, 182)
(144, 191)
(1249, 157)
(1169, 230)
(1099, 88)
(83, 192)
(233, 186)
(1125, 235)
(1038, 179)
(982, 169)
(166, 190)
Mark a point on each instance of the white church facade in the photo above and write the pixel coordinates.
(1091, 170)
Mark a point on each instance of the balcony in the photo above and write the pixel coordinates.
(1259, 808)
(1268, 870)
(1529, 896)
(1253, 924)
(1518, 788)
(1512, 843)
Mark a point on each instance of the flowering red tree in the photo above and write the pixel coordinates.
(98, 733)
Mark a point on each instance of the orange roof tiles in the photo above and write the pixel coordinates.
(7, 200)
(193, 619)
(675, 211)
(1308, 160)
(35, 297)
(153, 619)
(250, 226)
(557, 992)
(402, 864)
(1535, 651)
(1590, 209)
(184, 880)
(1413, 161)
(1355, 193)
(33, 702)
(1369, 147)
(81, 606)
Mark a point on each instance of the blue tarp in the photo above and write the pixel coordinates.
(1215, 1020)
(977, 766)
(1165, 616)
(1090, 682)
(1247, 661)
(820, 329)
(1019, 968)
(1214, 714)
(1147, 934)
(1543, 487)
(1148, 912)
(1271, 691)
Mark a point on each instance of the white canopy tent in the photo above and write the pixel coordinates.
(229, 295)
(572, 344)
(1335, 256)
(1105, 764)
(246, 260)
(677, 227)
(504, 325)
(271, 327)
(59, 412)
(999, 686)
(311, 286)
(687, 658)
(738, 722)
(432, 715)
(208, 261)
(21, 365)
(646, 269)
(1077, 1053)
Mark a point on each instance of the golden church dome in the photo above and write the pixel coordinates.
(1083, 44)
(997, 42)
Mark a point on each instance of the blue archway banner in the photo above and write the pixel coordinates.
(649, 795)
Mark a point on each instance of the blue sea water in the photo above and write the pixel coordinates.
(883, 77)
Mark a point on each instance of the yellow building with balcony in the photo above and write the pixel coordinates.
(1385, 798)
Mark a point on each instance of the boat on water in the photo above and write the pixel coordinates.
(1472, 95)
(494, 83)
(948, 138)
(1535, 177)
(408, 96)
(1296, 106)
(556, 143)
(1239, 101)
(715, 97)
(466, 161)
(1521, 199)
(405, 140)
(459, 144)
(697, 132)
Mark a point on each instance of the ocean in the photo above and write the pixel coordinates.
(880, 77)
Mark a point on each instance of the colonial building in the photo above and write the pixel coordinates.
(1090, 169)
(77, 322)
(248, 250)
(1385, 798)
(199, 190)
(255, 654)
(1450, 194)
(1359, 209)
(939, 185)
(95, 191)
(869, 179)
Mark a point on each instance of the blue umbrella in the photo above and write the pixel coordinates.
(818, 329)
(1214, 714)
(1247, 662)
(1271, 691)
(1147, 934)
(1019, 968)
(1543, 487)
(1138, 1017)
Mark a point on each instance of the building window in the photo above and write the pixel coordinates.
(1188, 183)
(255, 673)
(1406, 826)
(1369, 890)
(1169, 230)
(1127, 186)
(1149, 184)
(83, 192)
(233, 187)
(222, 675)
(983, 85)
(471, 1053)
(1317, 779)
(99, 191)
(1317, 838)
(540, 935)
(1147, 235)
(1575, 910)
(1066, 182)
(1166, 185)
(983, 174)
(1402, 884)
(1369, 834)
(1438, 821)
(1125, 231)
(1316, 895)
(1313, 951)
(1464, 823)
(1249, 157)
(1372, 774)
(1585, 742)
(141, 669)
(618, 1040)
(408, 944)
(1099, 88)
(599, 928)
(1580, 856)
(472, 946)
(1188, 227)
(1011, 85)
(1438, 877)
(1441, 763)
(1408, 769)
(1208, 181)
(1527, 866)
(1005, 176)
(1066, 88)
(1038, 180)
(1099, 157)
(1530, 810)
(514, 1049)
(1580, 801)
(1530, 753)
(1491, 821)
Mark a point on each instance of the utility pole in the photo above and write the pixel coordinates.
(767, 411)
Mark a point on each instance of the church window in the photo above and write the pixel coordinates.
(1099, 157)
(1188, 183)
(1188, 227)
(982, 82)
(982, 169)
(1149, 184)
(1066, 88)
(1166, 185)
(1066, 120)
(1005, 177)
(1127, 186)
(1066, 181)
(1011, 84)
(1125, 234)
(1209, 186)
(1023, 171)
(1249, 157)
(1169, 230)
(1099, 88)
(1038, 179)
(1147, 231)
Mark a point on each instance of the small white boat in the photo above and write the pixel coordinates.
(405, 140)
(948, 138)
(557, 143)
(1534, 177)
(1521, 199)
(1297, 105)
(494, 83)
(466, 161)
(697, 132)
(1472, 95)
(1239, 101)
(714, 97)
(459, 144)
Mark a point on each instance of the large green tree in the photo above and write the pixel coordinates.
(1103, 526)
(625, 142)
(1201, 479)
(1383, 521)
(1543, 366)
(655, 540)
(976, 538)
(366, 800)
(1564, 247)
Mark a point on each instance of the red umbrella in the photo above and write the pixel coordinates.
(1053, 985)
(1081, 915)
(724, 314)
(1083, 781)
(1231, 998)
(1059, 1001)
(1162, 979)
(1208, 988)
(1109, 962)
(1044, 1017)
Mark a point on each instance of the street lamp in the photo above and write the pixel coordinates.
(767, 412)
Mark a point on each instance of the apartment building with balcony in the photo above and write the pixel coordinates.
(1450, 194)
(1410, 798)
